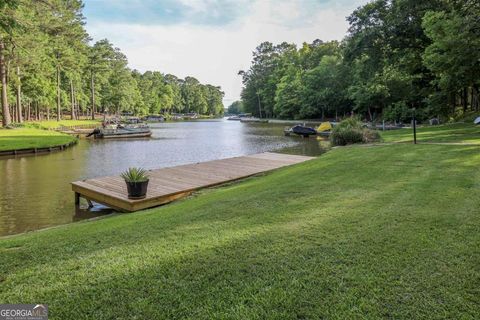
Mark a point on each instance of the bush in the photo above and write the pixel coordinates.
(351, 131)
(370, 136)
(342, 137)
(468, 117)
(350, 123)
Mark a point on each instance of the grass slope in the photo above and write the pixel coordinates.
(388, 231)
(25, 138)
(458, 133)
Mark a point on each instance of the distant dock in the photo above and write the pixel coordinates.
(169, 184)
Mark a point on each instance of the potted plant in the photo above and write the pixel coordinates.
(137, 182)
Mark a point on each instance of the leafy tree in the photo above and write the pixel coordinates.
(324, 89)
(46, 60)
(214, 100)
(7, 24)
(236, 107)
(62, 21)
(289, 95)
(175, 84)
(99, 58)
(398, 54)
(120, 92)
(454, 55)
(310, 55)
(269, 64)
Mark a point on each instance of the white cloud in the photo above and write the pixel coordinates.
(215, 54)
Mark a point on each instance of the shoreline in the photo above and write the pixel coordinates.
(42, 150)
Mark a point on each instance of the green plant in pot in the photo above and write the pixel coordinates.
(137, 182)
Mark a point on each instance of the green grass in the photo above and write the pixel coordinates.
(25, 138)
(53, 124)
(458, 133)
(388, 231)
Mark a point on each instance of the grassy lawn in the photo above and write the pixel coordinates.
(25, 138)
(388, 231)
(52, 124)
(460, 133)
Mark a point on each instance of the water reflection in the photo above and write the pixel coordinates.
(35, 190)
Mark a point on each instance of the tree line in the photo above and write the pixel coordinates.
(397, 55)
(48, 68)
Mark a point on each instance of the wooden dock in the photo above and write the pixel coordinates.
(169, 184)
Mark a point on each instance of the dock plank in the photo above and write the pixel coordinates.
(169, 184)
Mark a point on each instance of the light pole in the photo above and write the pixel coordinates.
(414, 128)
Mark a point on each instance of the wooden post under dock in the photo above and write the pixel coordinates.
(169, 184)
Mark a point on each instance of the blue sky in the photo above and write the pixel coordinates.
(211, 39)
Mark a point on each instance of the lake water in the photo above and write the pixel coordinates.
(35, 191)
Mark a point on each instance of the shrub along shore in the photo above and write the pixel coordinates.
(373, 231)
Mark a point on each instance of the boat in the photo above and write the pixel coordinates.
(324, 133)
(240, 116)
(131, 120)
(121, 131)
(324, 129)
(184, 116)
(253, 120)
(301, 130)
(154, 118)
